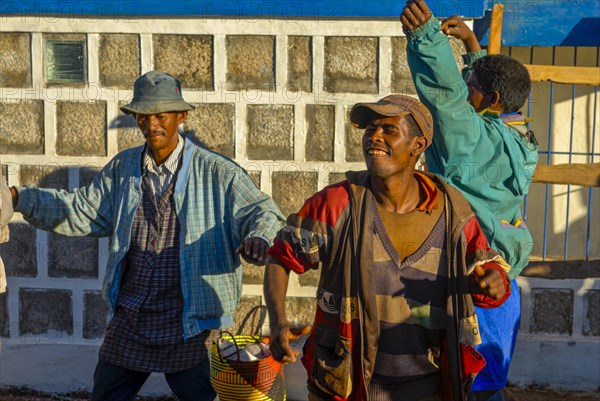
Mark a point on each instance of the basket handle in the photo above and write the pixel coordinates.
(261, 310)
(237, 347)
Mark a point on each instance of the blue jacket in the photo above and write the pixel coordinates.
(217, 204)
(487, 160)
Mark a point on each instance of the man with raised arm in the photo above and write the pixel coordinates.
(483, 147)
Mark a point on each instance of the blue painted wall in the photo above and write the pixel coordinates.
(265, 8)
(526, 22)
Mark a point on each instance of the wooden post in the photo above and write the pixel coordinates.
(564, 74)
(495, 42)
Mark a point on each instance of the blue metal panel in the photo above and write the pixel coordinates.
(546, 23)
(259, 8)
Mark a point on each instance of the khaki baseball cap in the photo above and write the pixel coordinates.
(156, 92)
(391, 106)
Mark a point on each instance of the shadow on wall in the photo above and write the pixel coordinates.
(585, 33)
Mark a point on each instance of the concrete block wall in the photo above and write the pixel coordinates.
(271, 94)
(558, 344)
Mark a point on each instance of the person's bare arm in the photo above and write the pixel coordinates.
(454, 26)
(275, 290)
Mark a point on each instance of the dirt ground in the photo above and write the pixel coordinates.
(512, 394)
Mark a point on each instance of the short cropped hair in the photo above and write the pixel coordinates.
(507, 76)
(413, 127)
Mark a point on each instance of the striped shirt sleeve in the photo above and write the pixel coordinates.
(304, 243)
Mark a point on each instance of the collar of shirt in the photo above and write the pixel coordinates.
(170, 165)
(430, 190)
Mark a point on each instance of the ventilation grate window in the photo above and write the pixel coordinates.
(65, 61)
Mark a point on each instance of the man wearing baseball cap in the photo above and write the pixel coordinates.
(178, 215)
(403, 261)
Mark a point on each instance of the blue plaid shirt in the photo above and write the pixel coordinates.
(217, 204)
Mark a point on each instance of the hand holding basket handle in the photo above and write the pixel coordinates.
(281, 335)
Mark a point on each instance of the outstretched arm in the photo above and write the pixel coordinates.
(85, 211)
(256, 218)
(440, 86)
(454, 26)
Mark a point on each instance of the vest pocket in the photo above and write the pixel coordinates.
(333, 362)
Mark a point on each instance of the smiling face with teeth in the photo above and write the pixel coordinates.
(390, 147)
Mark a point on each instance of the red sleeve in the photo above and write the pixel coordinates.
(304, 242)
(479, 252)
(476, 239)
(285, 254)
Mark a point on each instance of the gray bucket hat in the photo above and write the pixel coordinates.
(156, 92)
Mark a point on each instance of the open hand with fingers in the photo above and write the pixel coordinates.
(254, 250)
(415, 14)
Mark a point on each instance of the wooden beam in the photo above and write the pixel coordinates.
(585, 174)
(565, 75)
(563, 269)
(495, 42)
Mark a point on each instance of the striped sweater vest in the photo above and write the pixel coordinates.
(411, 302)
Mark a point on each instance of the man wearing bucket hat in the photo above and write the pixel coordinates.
(403, 261)
(177, 215)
